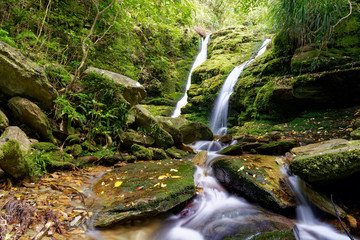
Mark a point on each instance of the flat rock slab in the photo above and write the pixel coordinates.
(143, 189)
(327, 162)
(256, 177)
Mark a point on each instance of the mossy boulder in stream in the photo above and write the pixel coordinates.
(143, 189)
(315, 164)
(196, 131)
(257, 178)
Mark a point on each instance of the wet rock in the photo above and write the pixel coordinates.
(19, 76)
(132, 91)
(277, 148)
(142, 153)
(196, 131)
(176, 122)
(143, 189)
(200, 158)
(4, 121)
(30, 114)
(256, 177)
(146, 121)
(226, 138)
(232, 150)
(131, 137)
(251, 147)
(327, 162)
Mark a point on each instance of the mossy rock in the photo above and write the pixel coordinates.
(88, 146)
(277, 148)
(75, 150)
(44, 146)
(355, 134)
(30, 114)
(12, 159)
(281, 235)
(73, 139)
(142, 153)
(19, 76)
(159, 154)
(4, 121)
(146, 121)
(196, 131)
(143, 189)
(257, 178)
(176, 153)
(232, 150)
(329, 165)
(131, 137)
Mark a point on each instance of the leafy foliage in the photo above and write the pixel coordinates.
(307, 21)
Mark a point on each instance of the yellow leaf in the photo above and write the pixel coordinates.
(103, 183)
(163, 185)
(175, 176)
(173, 170)
(162, 177)
(111, 179)
(132, 203)
(118, 183)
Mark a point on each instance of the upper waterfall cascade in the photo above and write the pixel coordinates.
(219, 114)
(201, 57)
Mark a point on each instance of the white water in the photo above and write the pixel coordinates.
(201, 57)
(213, 208)
(308, 226)
(219, 114)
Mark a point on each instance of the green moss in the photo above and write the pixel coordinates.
(44, 146)
(284, 235)
(156, 195)
(142, 153)
(75, 150)
(12, 160)
(327, 167)
(355, 134)
(277, 148)
(176, 153)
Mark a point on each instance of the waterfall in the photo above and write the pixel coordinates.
(308, 227)
(219, 114)
(201, 57)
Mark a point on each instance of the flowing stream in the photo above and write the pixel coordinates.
(308, 227)
(201, 57)
(219, 114)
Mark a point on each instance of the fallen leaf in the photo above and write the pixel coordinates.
(173, 170)
(162, 177)
(163, 185)
(118, 183)
(175, 176)
(139, 188)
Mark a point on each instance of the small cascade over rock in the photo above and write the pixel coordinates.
(308, 227)
(219, 114)
(201, 57)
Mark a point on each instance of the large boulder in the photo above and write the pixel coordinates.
(196, 131)
(131, 137)
(327, 162)
(143, 189)
(30, 114)
(168, 126)
(256, 177)
(147, 122)
(132, 91)
(19, 76)
(14, 145)
(4, 121)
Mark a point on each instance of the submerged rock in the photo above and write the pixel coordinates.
(143, 189)
(256, 177)
(30, 114)
(19, 76)
(132, 91)
(327, 162)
